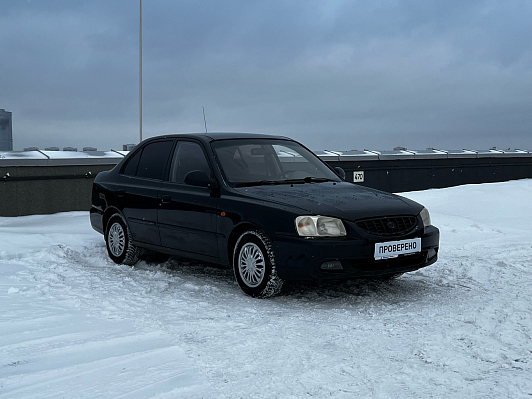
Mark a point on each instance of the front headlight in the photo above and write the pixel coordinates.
(425, 216)
(319, 226)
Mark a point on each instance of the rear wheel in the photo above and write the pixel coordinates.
(118, 242)
(254, 265)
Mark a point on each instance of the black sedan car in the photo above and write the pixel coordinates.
(264, 205)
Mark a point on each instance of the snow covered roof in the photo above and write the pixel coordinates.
(429, 153)
(51, 158)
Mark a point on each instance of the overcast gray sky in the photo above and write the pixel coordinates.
(333, 74)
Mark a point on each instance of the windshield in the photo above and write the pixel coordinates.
(269, 161)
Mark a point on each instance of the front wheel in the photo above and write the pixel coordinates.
(118, 242)
(254, 265)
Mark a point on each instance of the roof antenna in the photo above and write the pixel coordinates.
(204, 119)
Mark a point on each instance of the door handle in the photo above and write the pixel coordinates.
(165, 199)
(120, 193)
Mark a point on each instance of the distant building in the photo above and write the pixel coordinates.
(6, 131)
(90, 149)
(129, 147)
(70, 149)
(51, 149)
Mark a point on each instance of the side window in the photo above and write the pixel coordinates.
(188, 157)
(153, 160)
(132, 164)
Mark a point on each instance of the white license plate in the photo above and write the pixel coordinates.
(392, 249)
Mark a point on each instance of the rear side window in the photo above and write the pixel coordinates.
(132, 164)
(152, 162)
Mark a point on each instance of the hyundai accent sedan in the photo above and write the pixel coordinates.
(265, 206)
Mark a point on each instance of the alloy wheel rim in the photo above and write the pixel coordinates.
(117, 239)
(251, 264)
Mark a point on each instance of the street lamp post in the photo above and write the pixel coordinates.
(140, 72)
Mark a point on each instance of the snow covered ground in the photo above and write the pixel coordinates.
(75, 325)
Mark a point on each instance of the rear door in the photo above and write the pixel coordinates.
(187, 214)
(138, 188)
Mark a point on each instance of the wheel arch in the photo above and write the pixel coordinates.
(266, 283)
(234, 236)
(109, 212)
(130, 254)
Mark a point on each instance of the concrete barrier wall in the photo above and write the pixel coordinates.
(31, 190)
(418, 174)
(52, 187)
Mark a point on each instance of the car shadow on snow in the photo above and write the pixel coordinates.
(404, 288)
(206, 273)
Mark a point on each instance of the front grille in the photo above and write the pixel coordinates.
(388, 226)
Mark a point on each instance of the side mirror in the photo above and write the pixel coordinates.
(197, 178)
(340, 172)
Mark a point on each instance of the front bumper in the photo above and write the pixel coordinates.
(300, 258)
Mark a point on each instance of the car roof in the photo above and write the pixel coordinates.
(210, 137)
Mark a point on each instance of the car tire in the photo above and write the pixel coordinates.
(254, 265)
(118, 242)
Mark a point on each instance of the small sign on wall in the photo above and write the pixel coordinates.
(358, 176)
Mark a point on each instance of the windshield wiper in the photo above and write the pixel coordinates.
(308, 179)
(311, 179)
(256, 183)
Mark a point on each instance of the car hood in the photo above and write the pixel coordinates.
(342, 200)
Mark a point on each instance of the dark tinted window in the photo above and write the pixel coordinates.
(131, 166)
(188, 157)
(153, 160)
